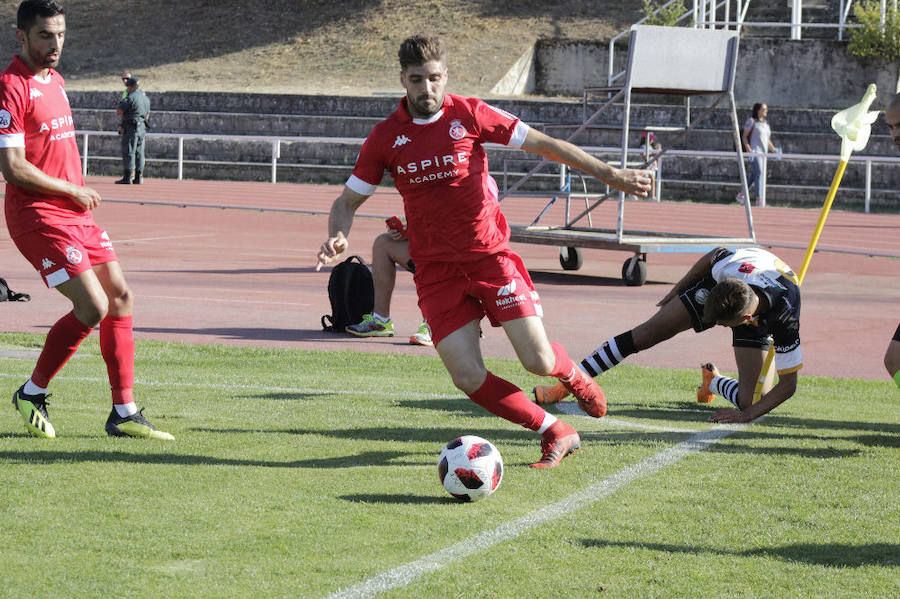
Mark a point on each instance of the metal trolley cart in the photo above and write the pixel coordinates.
(661, 60)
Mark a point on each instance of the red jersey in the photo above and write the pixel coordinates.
(35, 114)
(440, 169)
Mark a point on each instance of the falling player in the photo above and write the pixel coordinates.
(749, 290)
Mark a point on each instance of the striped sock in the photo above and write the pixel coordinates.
(726, 387)
(609, 354)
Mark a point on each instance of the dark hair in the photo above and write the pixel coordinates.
(419, 49)
(727, 301)
(30, 10)
(756, 108)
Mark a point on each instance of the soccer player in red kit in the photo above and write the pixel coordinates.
(48, 213)
(459, 238)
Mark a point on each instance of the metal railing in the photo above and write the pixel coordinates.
(639, 154)
(274, 141)
(640, 159)
(705, 14)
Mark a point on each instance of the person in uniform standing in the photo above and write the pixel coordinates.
(134, 109)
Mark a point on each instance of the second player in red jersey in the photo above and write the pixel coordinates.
(48, 214)
(432, 146)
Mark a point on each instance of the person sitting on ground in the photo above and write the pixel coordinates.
(749, 290)
(388, 249)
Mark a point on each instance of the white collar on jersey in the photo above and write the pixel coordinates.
(437, 115)
(44, 80)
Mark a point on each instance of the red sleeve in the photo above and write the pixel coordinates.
(12, 106)
(370, 165)
(496, 125)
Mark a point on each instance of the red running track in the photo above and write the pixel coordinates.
(247, 277)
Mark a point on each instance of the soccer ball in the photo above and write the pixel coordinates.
(470, 468)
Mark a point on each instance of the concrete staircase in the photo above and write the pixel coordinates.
(779, 11)
(333, 129)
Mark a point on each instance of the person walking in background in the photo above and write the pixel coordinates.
(48, 214)
(432, 145)
(757, 140)
(134, 110)
(388, 249)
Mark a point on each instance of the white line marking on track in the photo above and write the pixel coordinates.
(149, 239)
(407, 573)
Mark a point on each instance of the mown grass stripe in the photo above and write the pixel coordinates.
(407, 573)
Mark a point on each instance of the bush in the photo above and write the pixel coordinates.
(667, 16)
(872, 41)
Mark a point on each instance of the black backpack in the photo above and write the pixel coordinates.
(8, 295)
(351, 292)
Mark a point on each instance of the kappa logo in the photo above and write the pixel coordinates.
(401, 140)
(508, 289)
(700, 296)
(457, 130)
(35, 93)
(73, 254)
(47, 263)
(746, 268)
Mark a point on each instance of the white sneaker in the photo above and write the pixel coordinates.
(422, 336)
(739, 198)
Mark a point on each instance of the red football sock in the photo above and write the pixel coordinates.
(502, 398)
(62, 342)
(117, 347)
(564, 363)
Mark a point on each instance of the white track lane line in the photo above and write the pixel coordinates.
(407, 573)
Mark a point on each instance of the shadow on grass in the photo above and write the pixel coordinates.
(366, 458)
(838, 555)
(404, 499)
(443, 435)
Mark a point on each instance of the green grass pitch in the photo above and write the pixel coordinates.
(303, 474)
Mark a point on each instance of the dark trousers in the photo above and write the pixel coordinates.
(133, 150)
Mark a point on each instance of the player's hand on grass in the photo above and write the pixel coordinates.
(330, 250)
(729, 415)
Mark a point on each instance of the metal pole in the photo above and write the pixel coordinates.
(763, 177)
(868, 184)
(276, 153)
(84, 156)
(796, 18)
(180, 158)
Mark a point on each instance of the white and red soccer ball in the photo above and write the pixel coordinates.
(470, 468)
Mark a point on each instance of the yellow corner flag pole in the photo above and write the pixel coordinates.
(854, 126)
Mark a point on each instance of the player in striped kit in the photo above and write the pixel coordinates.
(749, 290)
(432, 145)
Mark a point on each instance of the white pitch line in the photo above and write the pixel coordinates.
(564, 407)
(407, 573)
(572, 408)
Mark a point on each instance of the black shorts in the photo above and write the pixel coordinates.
(694, 298)
(897, 333)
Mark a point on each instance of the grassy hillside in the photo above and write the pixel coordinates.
(307, 46)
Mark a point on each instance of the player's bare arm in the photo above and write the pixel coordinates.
(700, 269)
(781, 392)
(18, 171)
(339, 221)
(631, 181)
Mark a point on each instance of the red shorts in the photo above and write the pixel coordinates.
(454, 294)
(59, 253)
